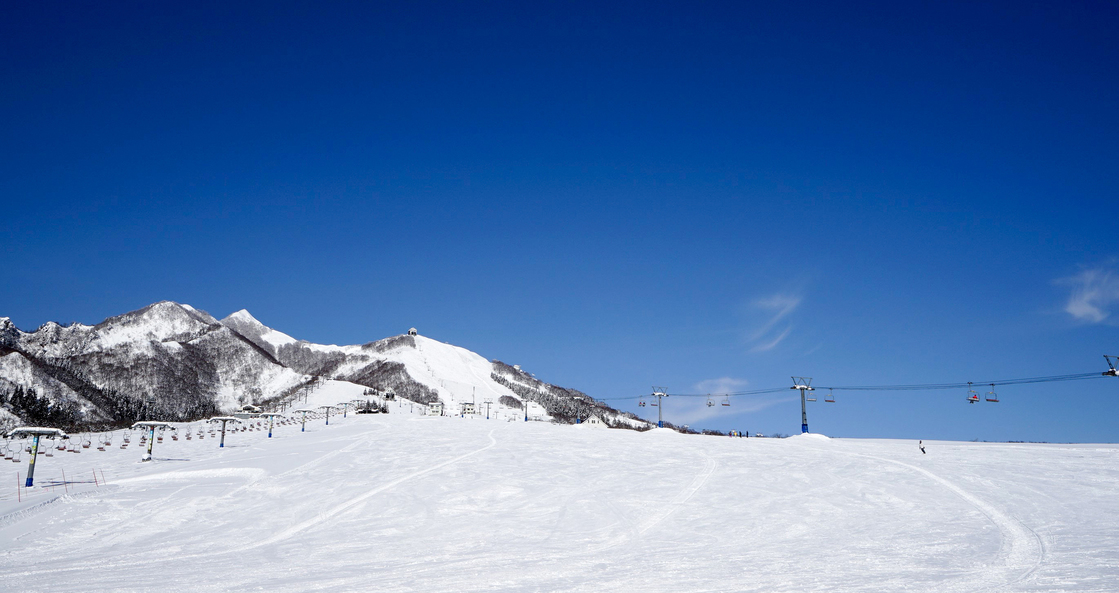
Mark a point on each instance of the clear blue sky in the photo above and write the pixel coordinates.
(612, 195)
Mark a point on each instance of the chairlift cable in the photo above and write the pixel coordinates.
(903, 387)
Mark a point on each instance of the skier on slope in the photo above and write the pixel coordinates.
(921, 444)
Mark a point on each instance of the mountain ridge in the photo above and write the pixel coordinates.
(174, 362)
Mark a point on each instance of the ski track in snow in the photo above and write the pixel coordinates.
(336, 510)
(670, 507)
(1021, 546)
(318, 519)
(402, 503)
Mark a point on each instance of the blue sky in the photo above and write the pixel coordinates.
(612, 195)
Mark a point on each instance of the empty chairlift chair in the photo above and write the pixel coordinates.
(726, 400)
(991, 395)
(830, 397)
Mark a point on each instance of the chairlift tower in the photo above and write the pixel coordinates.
(271, 416)
(150, 426)
(804, 384)
(35, 432)
(328, 409)
(345, 407)
(660, 392)
(224, 420)
(1112, 363)
(303, 411)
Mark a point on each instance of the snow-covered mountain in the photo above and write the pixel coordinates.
(174, 362)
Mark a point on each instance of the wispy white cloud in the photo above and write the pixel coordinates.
(1094, 292)
(694, 410)
(721, 385)
(775, 327)
(780, 306)
(770, 345)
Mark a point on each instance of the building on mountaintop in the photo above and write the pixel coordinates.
(413, 332)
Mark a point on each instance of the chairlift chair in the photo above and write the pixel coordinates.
(830, 397)
(87, 442)
(991, 395)
(972, 395)
(709, 401)
(726, 400)
(641, 403)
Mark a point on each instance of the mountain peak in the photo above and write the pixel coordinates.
(9, 333)
(244, 316)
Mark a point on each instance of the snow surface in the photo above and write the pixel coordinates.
(402, 502)
(269, 335)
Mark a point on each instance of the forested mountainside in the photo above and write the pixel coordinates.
(170, 361)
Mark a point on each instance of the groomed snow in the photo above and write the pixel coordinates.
(402, 502)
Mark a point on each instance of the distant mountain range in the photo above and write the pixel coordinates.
(170, 361)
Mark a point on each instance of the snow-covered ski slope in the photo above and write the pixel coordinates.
(458, 374)
(404, 502)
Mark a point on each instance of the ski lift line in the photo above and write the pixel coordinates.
(908, 387)
(963, 384)
(734, 394)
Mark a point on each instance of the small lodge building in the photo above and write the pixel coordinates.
(435, 409)
(467, 408)
(248, 411)
(595, 420)
(413, 332)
